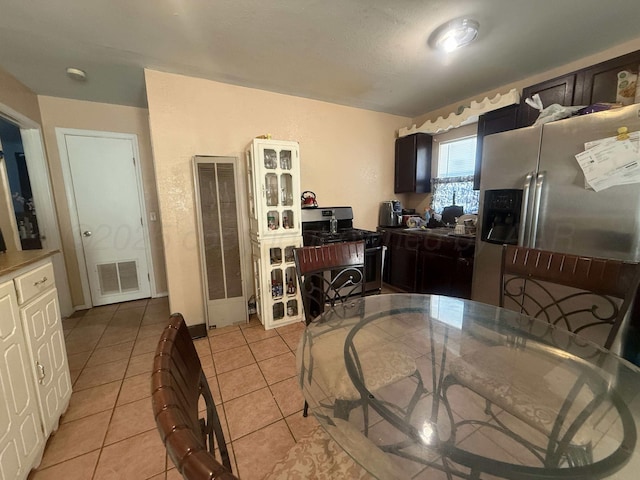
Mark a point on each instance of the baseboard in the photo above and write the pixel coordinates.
(198, 331)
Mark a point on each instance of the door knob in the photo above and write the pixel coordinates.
(87, 233)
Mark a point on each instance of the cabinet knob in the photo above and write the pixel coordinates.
(87, 233)
(40, 282)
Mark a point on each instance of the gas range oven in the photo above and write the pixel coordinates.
(317, 230)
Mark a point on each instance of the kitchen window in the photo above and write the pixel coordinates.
(453, 183)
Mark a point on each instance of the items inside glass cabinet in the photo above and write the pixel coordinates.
(273, 219)
(287, 219)
(285, 159)
(270, 158)
(288, 254)
(275, 256)
(287, 189)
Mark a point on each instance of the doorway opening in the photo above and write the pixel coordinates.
(20, 186)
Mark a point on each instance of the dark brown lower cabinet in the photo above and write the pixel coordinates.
(430, 263)
(403, 262)
(437, 272)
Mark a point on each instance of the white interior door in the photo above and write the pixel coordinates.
(107, 200)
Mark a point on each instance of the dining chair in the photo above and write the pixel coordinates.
(177, 385)
(331, 276)
(197, 446)
(587, 296)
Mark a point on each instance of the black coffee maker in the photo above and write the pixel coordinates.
(3, 247)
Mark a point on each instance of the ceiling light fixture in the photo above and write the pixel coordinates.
(455, 34)
(77, 74)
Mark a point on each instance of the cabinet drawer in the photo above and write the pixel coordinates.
(33, 283)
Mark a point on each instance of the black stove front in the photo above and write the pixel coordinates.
(314, 238)
(316, 230)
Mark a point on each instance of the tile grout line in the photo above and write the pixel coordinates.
(95, 469)
(81, 370)
(124, 378)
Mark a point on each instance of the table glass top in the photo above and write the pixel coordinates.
(420, 386)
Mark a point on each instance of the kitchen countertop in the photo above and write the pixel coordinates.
(440, 239)
(12, 261)
(442, 231)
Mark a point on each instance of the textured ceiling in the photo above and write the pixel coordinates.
(371, 54)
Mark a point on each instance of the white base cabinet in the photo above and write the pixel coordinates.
(41, 321)
(35, 382)
(276, 284)
(21, 435)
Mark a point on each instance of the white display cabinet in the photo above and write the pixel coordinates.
(273, 167)
(278, 297)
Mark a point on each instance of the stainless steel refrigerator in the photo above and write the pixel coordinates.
(532, 193)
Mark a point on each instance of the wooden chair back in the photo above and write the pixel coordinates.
(580, 294)
(177, 384)
(329, 275)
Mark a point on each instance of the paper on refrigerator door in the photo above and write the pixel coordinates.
(631, 176)
(611, 162)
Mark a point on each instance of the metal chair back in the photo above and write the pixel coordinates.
(329, 274)
(585, 295)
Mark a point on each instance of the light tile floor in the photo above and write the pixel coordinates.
(108, 431)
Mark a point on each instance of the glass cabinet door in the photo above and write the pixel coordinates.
(276, 174)
(271, 189)
(270, 159)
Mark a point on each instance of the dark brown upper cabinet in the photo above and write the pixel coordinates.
(599, 82)
(413, 164)
(495, 121)
(594, 84)
(558, 90)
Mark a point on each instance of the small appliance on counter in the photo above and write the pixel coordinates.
(308, 199)
(407, 213)
(466, 224)
(390, 214)
(3, 247)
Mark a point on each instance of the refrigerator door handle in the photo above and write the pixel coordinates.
(535, 214)
(526, 192)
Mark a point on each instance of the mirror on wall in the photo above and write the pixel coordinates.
(19, 185)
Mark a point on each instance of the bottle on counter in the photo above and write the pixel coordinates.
(333, 225)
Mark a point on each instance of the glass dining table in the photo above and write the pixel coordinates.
(428, 387)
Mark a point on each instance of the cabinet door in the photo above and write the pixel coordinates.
(436, 273)
(276, 171)
(403, 262)
(413, 164)
(599, 82)
(278, 294)
(42, 324)
(496, 121)
(462, 278)
(558, 90)
(21, 439)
